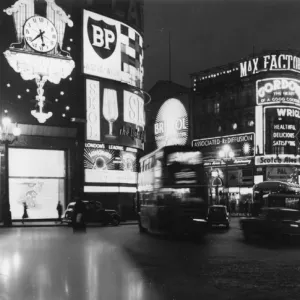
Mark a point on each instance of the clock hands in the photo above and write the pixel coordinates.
(40, 35)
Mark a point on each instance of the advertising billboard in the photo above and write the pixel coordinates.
(278, 91)
(281, 125)
(172, 125)
(112, 50)
(110, 164)
(282, 173)
(241, 144)
(270, 62)
(114, 114)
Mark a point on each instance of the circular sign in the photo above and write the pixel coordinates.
(171, 125)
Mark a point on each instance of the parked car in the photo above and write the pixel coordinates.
(273, 222)
(218, 215)
(94, 213)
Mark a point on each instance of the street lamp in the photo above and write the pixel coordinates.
(227, 156)
(6, 139)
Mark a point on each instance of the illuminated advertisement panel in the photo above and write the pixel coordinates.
(112, 50)
(270, 62)
(241, 144)
(278, 90)
(171, 126)
(281, 126)
(282, 173)
(114, 114)
(110, 164)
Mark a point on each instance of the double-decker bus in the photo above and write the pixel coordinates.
(172, 192)
(277, 194)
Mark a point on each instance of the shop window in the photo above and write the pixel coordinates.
(38, 180)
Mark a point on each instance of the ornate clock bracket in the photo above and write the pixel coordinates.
(40, 98)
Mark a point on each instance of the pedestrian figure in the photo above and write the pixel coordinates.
(25, 214)
(78, 216)
(59, 211)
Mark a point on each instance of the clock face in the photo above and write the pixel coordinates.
(40, 34)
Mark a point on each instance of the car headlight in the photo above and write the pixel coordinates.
(294, 225)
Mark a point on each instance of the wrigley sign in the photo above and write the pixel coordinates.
(274, 62)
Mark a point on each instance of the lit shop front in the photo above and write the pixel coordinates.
(38, 178)
(230, 176)
(114, 137)
(277, 129)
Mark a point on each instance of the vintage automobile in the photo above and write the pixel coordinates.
(218, 215)
(95, 213)
(277, 223)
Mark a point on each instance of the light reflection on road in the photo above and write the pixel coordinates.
(62, 265)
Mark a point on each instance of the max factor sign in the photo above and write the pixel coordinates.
(275, 62)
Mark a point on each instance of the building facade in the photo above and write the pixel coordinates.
(246, 123)
(81, 116)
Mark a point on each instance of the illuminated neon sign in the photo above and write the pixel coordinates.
(171, 126)
(277, 160)
(274, 62)
(241, 144)
(278, 90)
(281, 126)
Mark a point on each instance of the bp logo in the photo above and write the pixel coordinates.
(103, 37)
(171, 125)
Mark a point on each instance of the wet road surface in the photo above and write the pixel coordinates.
(119, 263)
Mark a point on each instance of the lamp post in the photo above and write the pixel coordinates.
(227, 156)
(6, 139)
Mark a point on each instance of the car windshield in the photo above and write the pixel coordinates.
(217, 210)
(71, 205)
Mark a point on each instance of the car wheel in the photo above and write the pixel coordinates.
(115, 220)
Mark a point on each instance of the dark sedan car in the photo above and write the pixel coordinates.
(273, 222)
(218, 215)
(94, 213)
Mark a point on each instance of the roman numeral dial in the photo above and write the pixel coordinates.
(40, 34)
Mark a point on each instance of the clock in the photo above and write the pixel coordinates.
(40, 34)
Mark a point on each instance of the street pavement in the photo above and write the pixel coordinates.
(108, 263)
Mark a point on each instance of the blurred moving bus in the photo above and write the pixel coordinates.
(172, 192)
(277, 194)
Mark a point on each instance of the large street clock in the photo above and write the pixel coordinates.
(40, 34)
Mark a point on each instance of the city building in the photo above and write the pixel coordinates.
(246, 122)
(71, 76)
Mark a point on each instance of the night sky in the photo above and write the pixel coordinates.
(208, 33)
(204, 34)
